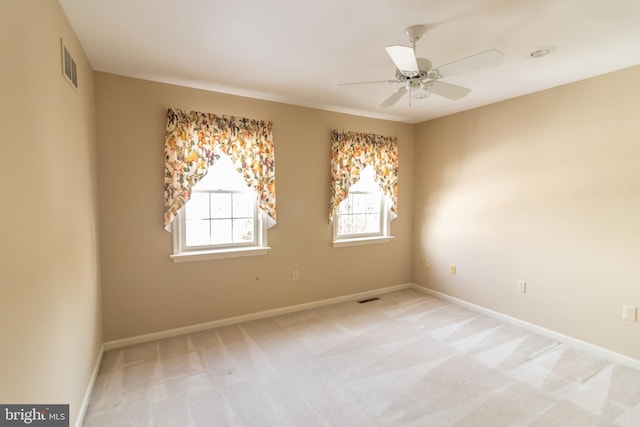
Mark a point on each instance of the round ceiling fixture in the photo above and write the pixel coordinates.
(543, 51)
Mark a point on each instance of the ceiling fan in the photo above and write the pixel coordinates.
(417, 74)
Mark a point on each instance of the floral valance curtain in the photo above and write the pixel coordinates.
(194, 141)
(351, 152)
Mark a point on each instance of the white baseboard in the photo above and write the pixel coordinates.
(109, 345)
(557, 336)
(87, 394)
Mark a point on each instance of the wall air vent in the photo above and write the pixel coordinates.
(69, 70)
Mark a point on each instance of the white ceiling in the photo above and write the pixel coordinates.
(297, 51)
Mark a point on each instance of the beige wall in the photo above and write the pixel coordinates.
(49, 288)
(144, 291)
(543, 188)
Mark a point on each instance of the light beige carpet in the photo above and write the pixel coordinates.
(407, 359)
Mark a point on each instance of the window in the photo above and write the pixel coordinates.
(219, 185)
(361, 213)
(221, 219)
(364, 181)
(362, 217)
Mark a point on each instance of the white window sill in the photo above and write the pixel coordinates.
(361, 241)
(220, 254)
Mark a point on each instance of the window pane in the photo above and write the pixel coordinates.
(359, 203)
(243, 205)
(221, 231)
(373, 223)
(373, 203)
(345, 205)
(344, 224)
(198, 206)
(220, 205)
(243, 230)
(196, 232)
(359, 224)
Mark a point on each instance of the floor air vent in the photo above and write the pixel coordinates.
(368, 300)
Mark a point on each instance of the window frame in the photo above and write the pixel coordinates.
(184, 253)
(213, 246)
(383, 236)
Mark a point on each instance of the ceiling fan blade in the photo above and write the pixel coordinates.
(370, 83)
(394, 97)
(448, 90)
(486, 59)
(404, 58)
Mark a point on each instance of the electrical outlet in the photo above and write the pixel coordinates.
(521, 286)
(294, 275)
(453, 269)
(629, 312)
